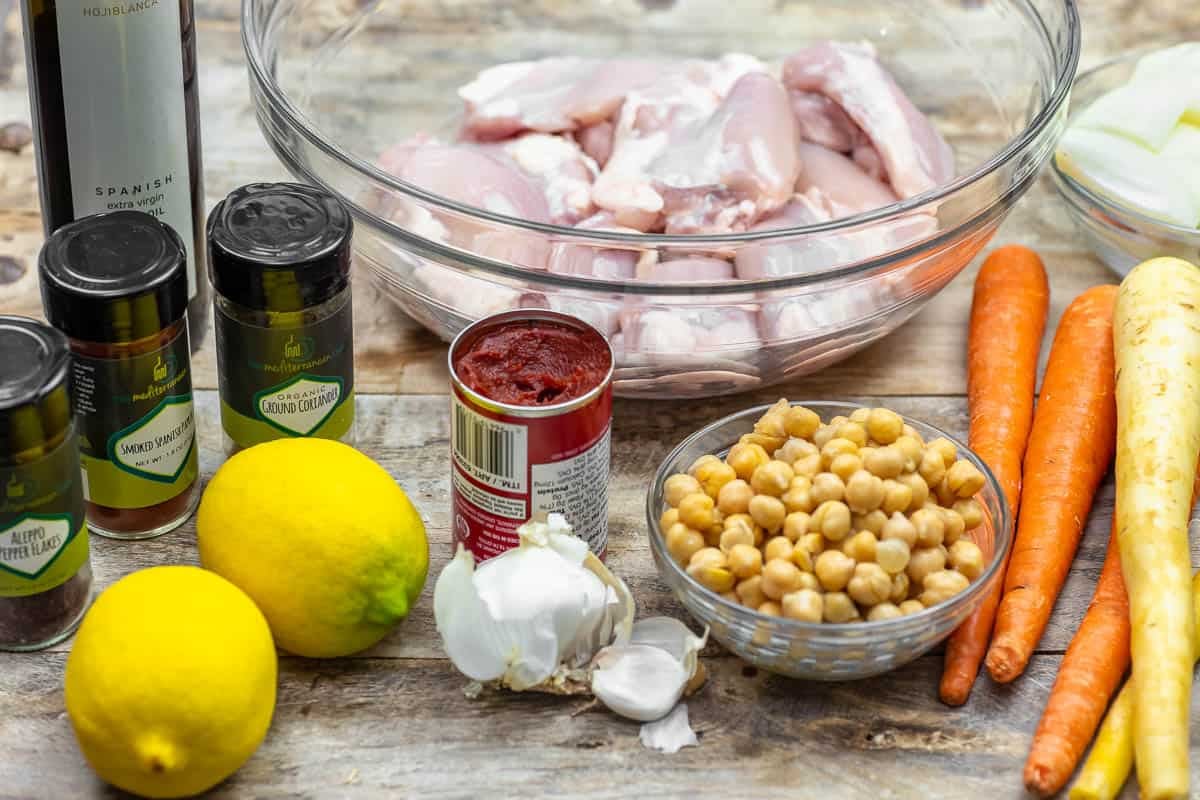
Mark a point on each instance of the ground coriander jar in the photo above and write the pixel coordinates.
(279, 260)
(45, 577)
(116, 285)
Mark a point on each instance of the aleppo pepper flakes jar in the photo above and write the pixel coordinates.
(45, 576)
(279, 259)
(116, 285)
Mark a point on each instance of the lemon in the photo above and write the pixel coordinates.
(322, 539)
(170, 686)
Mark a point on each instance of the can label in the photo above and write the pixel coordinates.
(505, 469)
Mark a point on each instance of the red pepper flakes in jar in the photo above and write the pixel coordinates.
(531, 416)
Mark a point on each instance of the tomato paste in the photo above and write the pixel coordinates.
(534, 363)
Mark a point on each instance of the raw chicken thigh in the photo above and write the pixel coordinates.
(559, 167)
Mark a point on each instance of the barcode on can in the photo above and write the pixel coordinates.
(493, 453)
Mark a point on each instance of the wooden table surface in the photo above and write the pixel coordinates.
(395, 722)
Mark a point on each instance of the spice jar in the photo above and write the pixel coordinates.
(116, 285)
(279, 260)
(45, 577)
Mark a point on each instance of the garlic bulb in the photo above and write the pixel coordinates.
(550, 616)
(530, 616)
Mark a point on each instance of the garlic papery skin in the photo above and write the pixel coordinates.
(644, 679)
(670, 734)
(531, 615)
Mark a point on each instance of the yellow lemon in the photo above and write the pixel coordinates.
(322, 539)
(170, 686)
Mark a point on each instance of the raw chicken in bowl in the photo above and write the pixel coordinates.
(735, 194)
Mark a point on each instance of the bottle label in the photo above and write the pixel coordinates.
(136, 426)
(43, 542)
(289, 378)
(126, 117)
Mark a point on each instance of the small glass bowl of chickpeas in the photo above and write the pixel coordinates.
(827, 540)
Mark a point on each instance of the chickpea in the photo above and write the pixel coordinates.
(778, 547)
(864, 492)
(896, 497)
(798, 499)
(734, 497)
(911, 607)
(931, 529)
(747, 523)
(909, 430)
(966, 557)
(794, 449)
(924, 561)
(713, 475)
(920, 489)
(940, 586)
(708, 557)
(696, 511)
(808, 581)
(745, 560)
(683, 542)
(855, 432)
(900, 587)
(834, 570)
(892, 555)
(832, 518)
(885, 462)
(836, 447)
(801, 422)
(964, 479)
(860, 415)
(932, 468)
(745, 458)
(912, 449)
(884, 426)
(779, 578)
(771, 609)
(900, 527)
(872, 521)
(861, 546)
(812, 543)
(884, 611)
(668, 518)
(838, 421)
(970, 511)
(772, 423)
(795, 525)
(827, 486)
(700, 462)
(805, 605)
(838, 607)
(944, 496)
(749, 591)
(715, 579)
(773, 478)
(955, 525)
(767, 511)
(802, 559)
(870, 585)
(946, 448)
(824, 434)
(677, 487)
(735, 537)
(865, 452)
(845, 465)
(808, 465)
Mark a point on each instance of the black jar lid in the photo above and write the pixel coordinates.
(279, 246)
(34, 362)
(115, 277)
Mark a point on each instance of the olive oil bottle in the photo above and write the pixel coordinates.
(113, 91)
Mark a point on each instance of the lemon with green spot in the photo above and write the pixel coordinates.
(321, 537)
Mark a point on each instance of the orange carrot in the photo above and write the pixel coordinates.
(1070, 447)
(1008, 318)
(1089, 675)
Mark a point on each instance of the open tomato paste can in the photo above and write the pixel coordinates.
(530, 424)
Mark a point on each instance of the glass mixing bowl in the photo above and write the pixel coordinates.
(821, 651)
(337, 82)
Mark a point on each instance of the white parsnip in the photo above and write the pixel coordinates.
(1157, 338)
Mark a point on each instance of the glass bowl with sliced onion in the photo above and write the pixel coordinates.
(853, 576)
(734, 193)
(1128, 166)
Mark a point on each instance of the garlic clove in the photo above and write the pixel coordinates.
(671, 635)
(472, 641)
(638, 681)
(670, 734)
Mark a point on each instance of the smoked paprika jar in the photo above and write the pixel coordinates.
(279, 260)
(116, 284)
